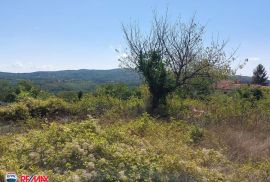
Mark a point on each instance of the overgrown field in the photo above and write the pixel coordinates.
(107, 136)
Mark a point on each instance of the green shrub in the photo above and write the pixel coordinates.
(119, 91)
(196, 134)
(180, 108)
(198, 88)
(68, 96)
(52, 107)
(96, 105)
(251, 94)
(109, 107)
(35, 108)
(14, 112)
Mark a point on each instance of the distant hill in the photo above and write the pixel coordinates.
(74, 80)
(85, 80)
(244, 79)
(247, 79)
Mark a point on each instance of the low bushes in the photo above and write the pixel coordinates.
(86, 152)
(236, 109)
(28, 107)
(203, 140)
(52, 108)
(14, 112)
(241, 107)
(144, 149)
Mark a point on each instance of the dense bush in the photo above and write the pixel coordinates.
(68, 96)
(239, 107)
(52, 107)
(198, 88)
(251, 94)
(26, 89)
(97, 106)
(7, 91)
(119, 91)
(14, 112)
(187, 109)
(90, 105)
(35, 108)
(196, 134)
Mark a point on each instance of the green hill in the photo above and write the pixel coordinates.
(74, 80)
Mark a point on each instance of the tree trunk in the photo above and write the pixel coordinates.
(156, 102)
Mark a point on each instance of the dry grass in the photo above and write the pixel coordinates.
(240, 143)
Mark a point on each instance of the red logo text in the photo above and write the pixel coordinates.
(34, 179)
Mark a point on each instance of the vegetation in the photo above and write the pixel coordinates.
(106, 136)
(73, 80)
(80, 95)
(7, 92)
(156, 76)
(100, 130)
(259, 75)
(171, 55)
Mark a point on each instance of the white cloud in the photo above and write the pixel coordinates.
(254, 59)
(24, 66)
(119, 51)
(17, 64)
(122, 56)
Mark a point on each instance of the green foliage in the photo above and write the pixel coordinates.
(7, 91)
(85, 152)
(119, 91)
(158, 79)
(250, 93)
(198, 88)
(181, 108)
(14, 112)
(2, 175)
(144, 149)
(259, 75)
(196, 134)
(68, 96)
(10, 97)
(26, 89)
(124, 143)
(106, 106)
(90, 105)
(23, 89)
(80, 95)
(50, 108)
(26, 108)
(246, 106)
(74, 80)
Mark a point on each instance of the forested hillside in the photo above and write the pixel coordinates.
(74, 80)
(83, 80)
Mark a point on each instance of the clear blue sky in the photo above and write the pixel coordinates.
(74, 34)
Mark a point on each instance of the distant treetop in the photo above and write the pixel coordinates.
(259, 75)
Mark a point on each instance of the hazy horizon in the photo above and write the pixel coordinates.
(60, 35)
(79, 70)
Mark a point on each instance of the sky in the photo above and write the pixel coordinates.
(39, 35)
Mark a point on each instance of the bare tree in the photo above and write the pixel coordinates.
(181, 48)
